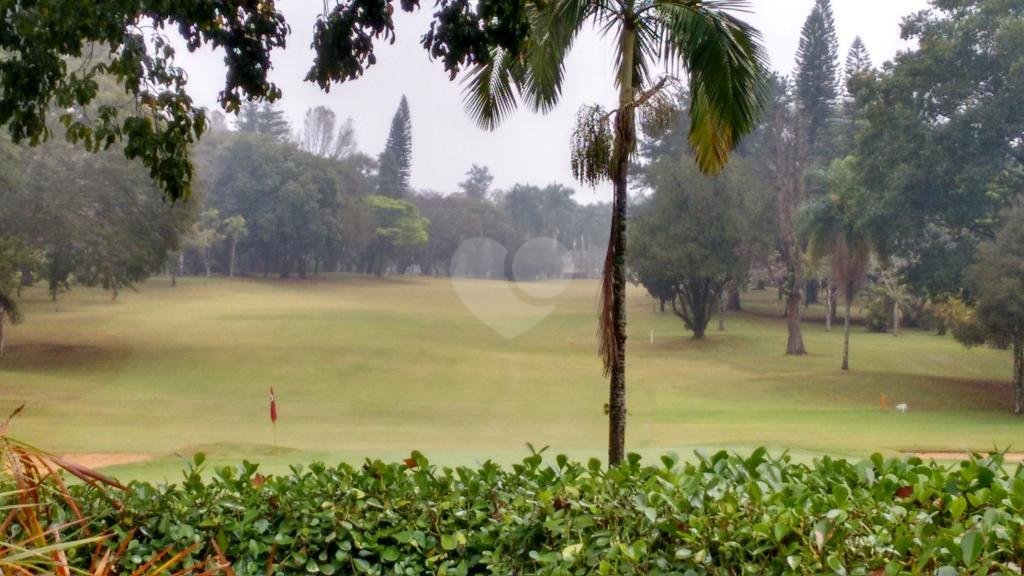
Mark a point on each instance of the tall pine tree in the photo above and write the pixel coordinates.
(817, 71)
(857, 77)
(396, 159)
(263, 118)
(858, 60)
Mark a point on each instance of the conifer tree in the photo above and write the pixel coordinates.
(817, 70)
(858, 60)
(264, 118)
(396, 159)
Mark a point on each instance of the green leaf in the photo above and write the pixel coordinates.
(957, 507)
(971, 544)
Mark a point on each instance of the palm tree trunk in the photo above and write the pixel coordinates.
(846, 329)
(613, 314)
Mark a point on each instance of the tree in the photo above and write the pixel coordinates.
(14, 256)
(399, 228)
(96, 218)
(997, 283)
(787, 133)
(235, 229)
(724, 62)
(940, 152)
(816, 79)
(321, 137)
(299, 209)
(477, 183)
(831, 224)
(858, 60)
(205, 233)
(691, 238)
(263, 118)
(396, 159)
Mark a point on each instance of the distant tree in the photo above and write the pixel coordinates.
(399, 228)
(395, 162)
(816, 79)
(832, 227)
(96, 218)
(477, 183)
(694, 236)
(996, 280)
(14, 256)
(454, 219)
(322, 137)
(203, 236)
(858, 60)
(235, 229)
(263, 118)
(295, 205)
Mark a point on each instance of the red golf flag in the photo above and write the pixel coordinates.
(273, 406)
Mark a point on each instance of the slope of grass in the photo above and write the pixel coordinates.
(378, 367)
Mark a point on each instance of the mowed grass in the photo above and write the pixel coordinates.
(378, 367)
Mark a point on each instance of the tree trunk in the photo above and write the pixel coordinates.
(661, 302)
(1018, 374)
(174, 273)
(721, 310)
(795, 342)
(613, 315)
(231, 262)
(788, 186)
(3, 320)
(828, 305)
(846, 329)
(895, 318)
(735, 304)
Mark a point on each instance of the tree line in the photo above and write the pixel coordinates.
(270, 200)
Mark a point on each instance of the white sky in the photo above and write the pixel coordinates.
(528, 147)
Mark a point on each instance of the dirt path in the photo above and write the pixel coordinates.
(103, 459)
(1008, 457)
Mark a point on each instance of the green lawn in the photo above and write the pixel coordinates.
(370, 367)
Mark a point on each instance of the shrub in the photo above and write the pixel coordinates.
(723, 514)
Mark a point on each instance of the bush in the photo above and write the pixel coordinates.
(723, 514)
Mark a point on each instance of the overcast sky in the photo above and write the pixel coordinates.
(528, 147)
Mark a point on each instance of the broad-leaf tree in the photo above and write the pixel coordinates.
(941, 152)
(997, 283)
(723, 62)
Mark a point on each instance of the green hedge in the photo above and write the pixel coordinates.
(723, 514)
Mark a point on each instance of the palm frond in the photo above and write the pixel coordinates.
(727, 71)
(553, 30)
(491, 89)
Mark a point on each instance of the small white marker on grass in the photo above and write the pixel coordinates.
(652, 336)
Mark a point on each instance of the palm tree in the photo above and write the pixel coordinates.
(724, 64)
(832, 229)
